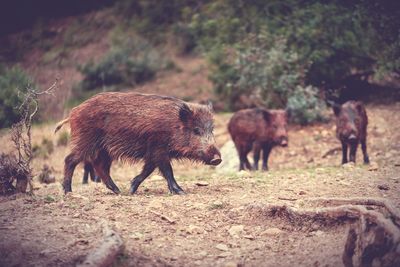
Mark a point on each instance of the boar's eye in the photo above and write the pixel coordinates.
(196, 131)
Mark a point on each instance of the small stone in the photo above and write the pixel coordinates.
(224, 254)
(244, 174)
(193, 229)
(249, 237)
(383, 187)
(319, 233)
(201, 183)
(348, 165)
(302, 192)
(373, 166)
(222, 247)
(137, 236)
(231, 264)
(202, 254)
(272, 232)
(236, 230)
(76, 215)
(45, 252)
(218, 203)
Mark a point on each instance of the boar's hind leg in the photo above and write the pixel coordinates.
(102, 166)
(70, 163)
(266, 152)
(89, 171)
(344, 152)
(364, 150)
(166, 170)
(148, 168)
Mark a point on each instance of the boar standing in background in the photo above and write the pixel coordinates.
(132, 127)
(351, 128)
(258, 129)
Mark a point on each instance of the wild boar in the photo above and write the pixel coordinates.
(133, 127)
(258, 129)
(351, 128)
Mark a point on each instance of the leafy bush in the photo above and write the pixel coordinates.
(44, 150)
(273, 74)
(130, 62)
(305, 106)
(12, 80)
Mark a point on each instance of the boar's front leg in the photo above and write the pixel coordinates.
(344, 152)
(166, 170)
(364, 150)
(353, 151)
(256, 152)
(266, 151)
(148, 168)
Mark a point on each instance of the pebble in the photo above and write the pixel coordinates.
(222, 247)
(373, 166)
(236, 230)
(272, 231)
(383, 187)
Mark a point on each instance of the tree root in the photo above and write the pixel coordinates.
(372, 239)
(105, 254)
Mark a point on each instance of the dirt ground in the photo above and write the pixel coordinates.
(213, 224)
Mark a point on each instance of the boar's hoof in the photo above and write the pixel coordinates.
(67, 188)
(178, 192)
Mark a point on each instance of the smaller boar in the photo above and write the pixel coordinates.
(258, 129)
(351, 128)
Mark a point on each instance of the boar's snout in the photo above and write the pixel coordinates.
(213, 156)
(283, 141)
(352, 137)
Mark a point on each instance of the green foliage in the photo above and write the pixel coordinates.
(12, 80)
(130, 62)
(63, 138)
(44, 150)
(305, 106)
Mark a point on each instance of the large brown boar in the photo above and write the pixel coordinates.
(133, 127)
(258, 129)
(351, 128)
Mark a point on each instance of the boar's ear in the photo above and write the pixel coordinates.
(185, 113)
(210, 105)
(359, 106)
(336, 107)
(267, 115)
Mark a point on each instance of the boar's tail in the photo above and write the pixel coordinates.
(60, 124)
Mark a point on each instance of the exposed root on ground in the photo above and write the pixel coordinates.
(372, 238)
(105, 254)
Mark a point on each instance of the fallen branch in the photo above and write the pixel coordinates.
(104, 255)
(166, 218)
(332, 151)
(380, 202)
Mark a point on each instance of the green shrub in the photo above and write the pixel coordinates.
(133, 61)
(305, 106)
(44, 150)
(12, 80)
(63, 138)
(272, 74)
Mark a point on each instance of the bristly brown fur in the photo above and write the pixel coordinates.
(131, 127)
(257, 129)
(351, 120)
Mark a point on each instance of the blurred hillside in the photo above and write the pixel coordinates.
(279, 54)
